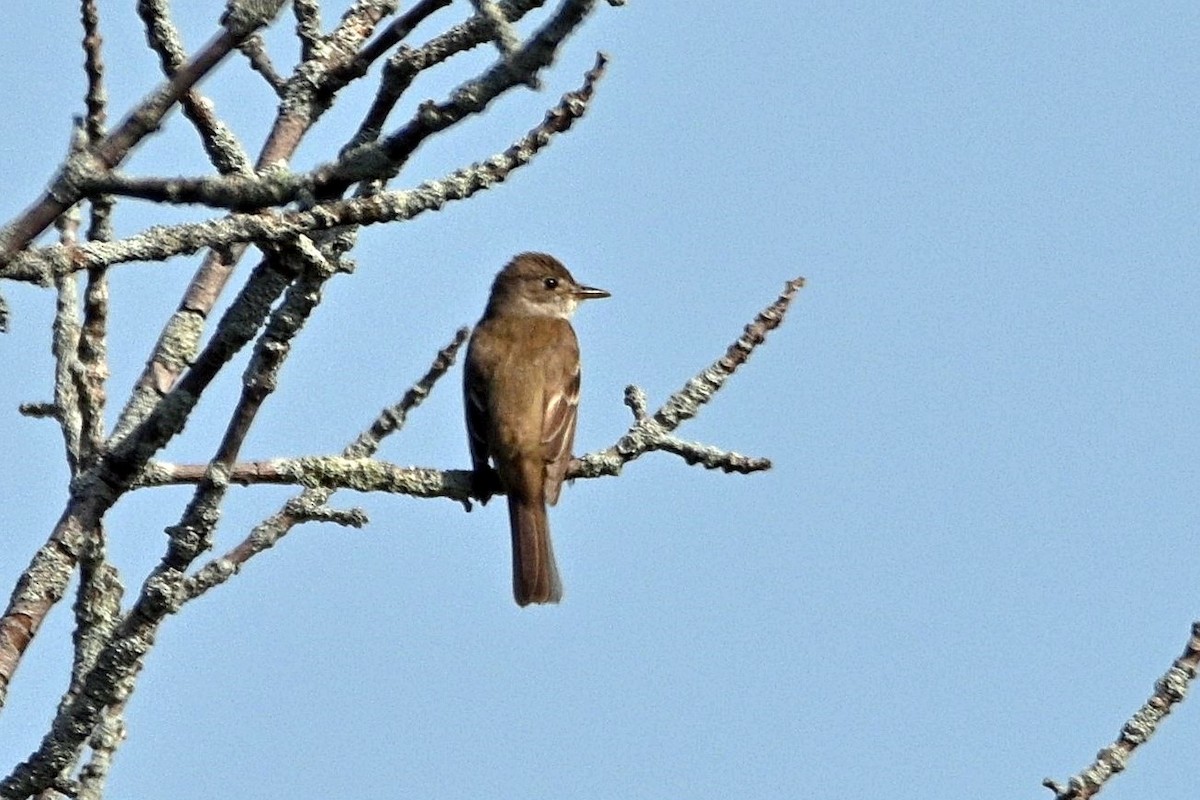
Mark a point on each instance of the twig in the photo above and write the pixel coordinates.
(308, 26)
(1169, 690)
(503, 35)
(395, 33)
(104, 741)
(240, 20)
(371, 161)
(274, 227)
(220, 143)
(192, 535)
(311, 503)
(65, 339)
(255, 51)
(298, 111)
(651, 431)
(96, 98)
(406, 64)
(356, 470)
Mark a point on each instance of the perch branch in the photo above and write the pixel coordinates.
(357, 471)
(652, 431)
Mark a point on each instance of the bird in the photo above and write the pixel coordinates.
(521, 399)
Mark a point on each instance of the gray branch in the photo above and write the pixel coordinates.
(357, 471)
(159, 243)
(1169, 691)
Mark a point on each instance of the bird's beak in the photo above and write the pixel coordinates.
(590, 293)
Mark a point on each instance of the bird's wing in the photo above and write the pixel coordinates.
(561, 405)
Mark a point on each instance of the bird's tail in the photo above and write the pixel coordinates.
(535, 575)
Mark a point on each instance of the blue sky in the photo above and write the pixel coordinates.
(976, 551)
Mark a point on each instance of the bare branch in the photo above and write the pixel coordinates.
(222, 147)
(503, 35)
(711, 457)
(370, 161)
(192, 535)
(651, 431)
(308, 26)
(104, 741)
(357, 471)
(311, 503)
(395, 33)
(240, 20)
(255, 50)
(43, 583)
(298, 111)
(40, 410)
(276, 227)
(65, 342)
(41, 586)
(96, 98)
(92, 359)
(1169, 691)
(406, 64)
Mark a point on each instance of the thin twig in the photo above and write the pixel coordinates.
(311, 503)
(220, 143)
(65, 189)
(255, 51)
(96, 98)
(64, 341)
(652, 431)
(301, 107)
(275, 227)
(91, 352)
(502, 34)
(404, 66)
(395, 33)
(356, 470)
(1169, 691)
(368, 162)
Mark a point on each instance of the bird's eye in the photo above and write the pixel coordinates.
(550, 283)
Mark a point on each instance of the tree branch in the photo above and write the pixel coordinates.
(311, 503)
(1169, 690)
(240, 20)
(302, 105)
(358, 471)
(222, 147)
(161, 243)
(369, 161)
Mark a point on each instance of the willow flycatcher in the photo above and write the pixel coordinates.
(521, 392)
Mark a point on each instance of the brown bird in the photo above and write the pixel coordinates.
(521, 392)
